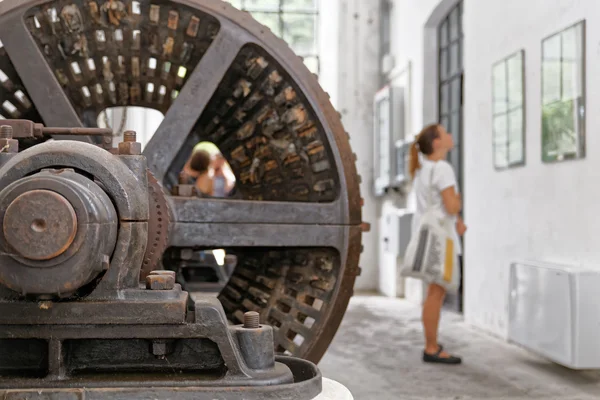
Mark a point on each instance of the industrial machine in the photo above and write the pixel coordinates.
(91, 235)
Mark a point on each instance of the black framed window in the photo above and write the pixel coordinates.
(295, 21)
(450, 78)
(508, 104)
(563, 95)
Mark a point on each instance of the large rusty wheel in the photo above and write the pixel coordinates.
(217, 75)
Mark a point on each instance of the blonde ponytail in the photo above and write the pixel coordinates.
(423, 144)
(413, 162)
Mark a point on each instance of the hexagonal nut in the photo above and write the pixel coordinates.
(130, 148)
(160, 282)
(9, 146)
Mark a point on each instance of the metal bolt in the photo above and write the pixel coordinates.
(6, 132)
(251, 320)
(129, 136)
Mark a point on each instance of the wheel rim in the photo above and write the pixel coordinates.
(295, 222)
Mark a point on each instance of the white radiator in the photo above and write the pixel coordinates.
(394, 235)
(554, 311)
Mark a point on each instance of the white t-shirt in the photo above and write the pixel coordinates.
(443, 178)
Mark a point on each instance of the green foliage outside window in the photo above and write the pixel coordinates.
(563, 95)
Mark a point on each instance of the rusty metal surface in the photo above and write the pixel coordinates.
(67, 324)
(243, 88)
(40, 224)
(158, 227)
(50, 258)
(203, 356)
(307, 385)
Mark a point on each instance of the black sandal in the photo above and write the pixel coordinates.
(435, 358)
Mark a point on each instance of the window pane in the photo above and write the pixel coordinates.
(551, 81)
(299, 32)
(454, 55)
(443, 64)
(455, 93)
(300, 4)
(455, 127)
(460, 54)
(270, 20)
(572, 68)
(515, 153)
(515, 136)
(500, 130)
(515, 126)
(454, 24)
(499, 88)
(444, 34)
(570, 79)
(460, 18)
(454, 160)
(263, 5)
(551, 48)
(445, 98)
(569, 44)
(515, 80)
(559, 130)
(445, 122)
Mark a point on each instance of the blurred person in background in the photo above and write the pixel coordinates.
(223, 178)
(197, 171)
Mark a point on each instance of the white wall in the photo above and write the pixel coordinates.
(540, 211)
(358, 76)
(408, 21)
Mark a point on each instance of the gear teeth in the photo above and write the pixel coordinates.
(365, 227)
(158, 226)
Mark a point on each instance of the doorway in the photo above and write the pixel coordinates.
(450, 106)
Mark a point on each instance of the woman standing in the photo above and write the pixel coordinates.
(435, 182)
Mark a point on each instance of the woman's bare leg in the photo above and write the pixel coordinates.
(432, 308)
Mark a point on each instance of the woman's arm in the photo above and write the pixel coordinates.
(204, 184)
(461, 228)
(451, 200)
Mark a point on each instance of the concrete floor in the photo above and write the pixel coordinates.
(377, 355)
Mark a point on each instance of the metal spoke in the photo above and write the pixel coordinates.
(173, 132)
(43, 88)
(256, 235)
(188, 209)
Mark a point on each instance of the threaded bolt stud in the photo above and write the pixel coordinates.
(6, 132)
(251, 320)
(129, 136)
